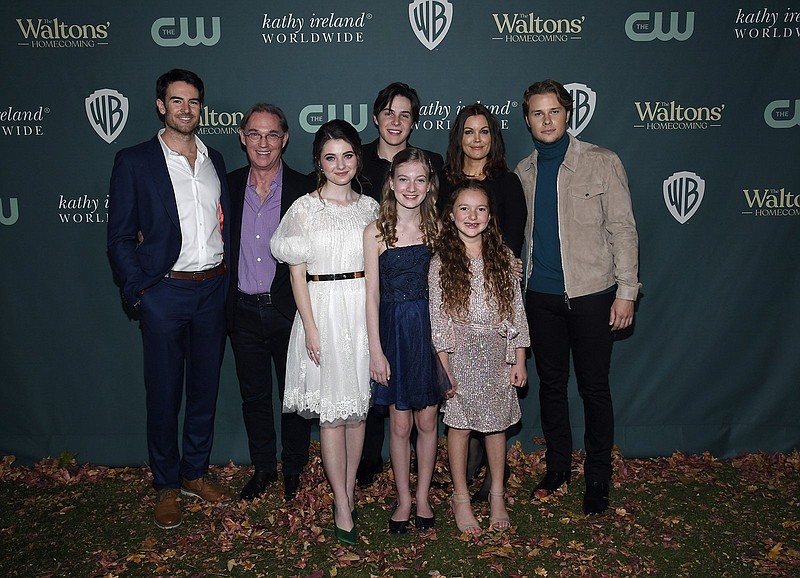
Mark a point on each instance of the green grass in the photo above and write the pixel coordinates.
(679, 516)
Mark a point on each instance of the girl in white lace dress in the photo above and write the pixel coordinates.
(327, 369)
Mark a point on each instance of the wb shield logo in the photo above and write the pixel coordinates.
(430, 20)
(584, 101)
(166, 32)
(640, 28)
(683, 193)
(107, 111)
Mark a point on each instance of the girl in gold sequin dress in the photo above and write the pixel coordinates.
(480, 332)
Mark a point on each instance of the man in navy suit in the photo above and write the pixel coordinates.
(167, 244)
(260, 306)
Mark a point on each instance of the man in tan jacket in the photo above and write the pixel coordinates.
(582, 282)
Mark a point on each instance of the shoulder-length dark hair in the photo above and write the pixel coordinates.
(495, 163)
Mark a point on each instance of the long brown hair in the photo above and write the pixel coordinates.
(455, 276)
(495, 162)
(387, 215)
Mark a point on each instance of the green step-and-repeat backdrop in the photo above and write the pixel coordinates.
(701, 100)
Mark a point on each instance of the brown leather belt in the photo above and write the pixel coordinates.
(336, 276)
(197, 275)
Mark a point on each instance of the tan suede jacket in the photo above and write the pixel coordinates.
(599, 243)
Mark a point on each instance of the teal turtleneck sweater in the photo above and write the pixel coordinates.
(548, 274)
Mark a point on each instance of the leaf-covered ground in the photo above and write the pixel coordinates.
(685, 515)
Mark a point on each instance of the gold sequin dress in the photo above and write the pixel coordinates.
(481, 352)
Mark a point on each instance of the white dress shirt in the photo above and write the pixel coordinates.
(197, 194)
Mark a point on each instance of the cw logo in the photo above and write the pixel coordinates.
(639, 27)
(430, 20)
(584, 102)
(13, 216)
(683, 193)
(779, 114)
(166, 33)
(313, 116)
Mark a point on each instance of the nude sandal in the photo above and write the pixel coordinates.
(498, 523)
(471, 528)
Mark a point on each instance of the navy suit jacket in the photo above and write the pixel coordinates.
(141, 199)
(294, 186)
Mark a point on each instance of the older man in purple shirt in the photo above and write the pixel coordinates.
(260, 306)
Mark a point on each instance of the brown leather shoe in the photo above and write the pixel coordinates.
(204, 489)
(168, 509)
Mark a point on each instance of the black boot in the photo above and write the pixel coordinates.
(257, 484)
(551, 482)
(595, 500)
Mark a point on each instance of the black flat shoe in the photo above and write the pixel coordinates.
(424, 523)
(551, 482)
(290, 484)
(258, 484)
(595, 500)
(398, 527)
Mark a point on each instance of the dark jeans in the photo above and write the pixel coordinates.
(580, 326)
(259, 338)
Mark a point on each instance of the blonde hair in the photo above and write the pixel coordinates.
(387, 214)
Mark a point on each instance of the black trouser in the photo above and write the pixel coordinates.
(579, 326)
(372, 455)
(259, 337)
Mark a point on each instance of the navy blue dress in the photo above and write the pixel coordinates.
(417, 379)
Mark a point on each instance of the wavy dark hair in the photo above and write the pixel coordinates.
(387, 216)
(333, 130)
(496, 161)
(455, 276)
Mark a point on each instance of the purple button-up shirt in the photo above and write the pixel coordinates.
(259, 221)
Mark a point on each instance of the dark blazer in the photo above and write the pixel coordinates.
(142, 200)
(294, 186)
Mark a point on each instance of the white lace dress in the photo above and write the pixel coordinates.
(329, 239)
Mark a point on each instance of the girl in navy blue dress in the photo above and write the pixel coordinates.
(403, 365)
